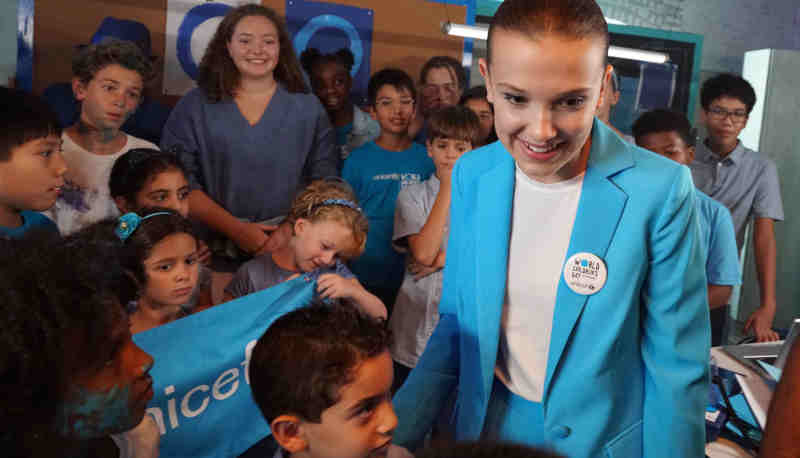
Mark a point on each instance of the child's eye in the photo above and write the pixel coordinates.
(514, 99)
(571, 103)
(183, 193)
(47, 153)
(160, 196)
(134, 95)
(191, 259)
(163, 267)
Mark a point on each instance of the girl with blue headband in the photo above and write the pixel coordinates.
(161, 251)
(325, 227)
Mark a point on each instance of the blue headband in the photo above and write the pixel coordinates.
(128, 223)
(339, 202)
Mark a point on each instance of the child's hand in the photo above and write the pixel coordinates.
(203, 253)
(335, 286)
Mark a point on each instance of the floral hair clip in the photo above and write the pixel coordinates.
(128, 223)
(339, 202)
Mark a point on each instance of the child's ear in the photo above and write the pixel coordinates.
(604, 85)
(287, 431)
(301, 225)
(691, 151)
(78, 89)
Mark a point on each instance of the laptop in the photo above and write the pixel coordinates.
(774, 353)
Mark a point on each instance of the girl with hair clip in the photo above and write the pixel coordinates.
(161, 253)
(331, 82)
(249, 129)
(325, 227)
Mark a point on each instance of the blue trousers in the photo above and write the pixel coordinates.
(512, 418)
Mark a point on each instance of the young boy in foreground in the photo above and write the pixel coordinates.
(322, 377)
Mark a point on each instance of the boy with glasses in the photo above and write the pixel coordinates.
(743, 180)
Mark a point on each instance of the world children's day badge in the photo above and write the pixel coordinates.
(585, 273)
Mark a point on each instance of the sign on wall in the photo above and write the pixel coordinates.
(190, 26)
(330, 27)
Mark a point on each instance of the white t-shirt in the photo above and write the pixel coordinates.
(85, 198)
(541, 226)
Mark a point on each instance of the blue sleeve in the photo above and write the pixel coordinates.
(323, 159)
(420, 400)
(178, 133)
(722, 265)
(675, 330)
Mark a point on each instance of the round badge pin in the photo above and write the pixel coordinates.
(585, 273)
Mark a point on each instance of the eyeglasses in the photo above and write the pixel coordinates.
(720, 114)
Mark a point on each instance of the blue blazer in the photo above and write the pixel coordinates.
(627, 371)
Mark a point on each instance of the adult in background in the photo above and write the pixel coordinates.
(251, 135)
(442, 80)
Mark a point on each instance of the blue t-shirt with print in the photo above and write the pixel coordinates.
(31, 220)
(718, 240)
(377, 175)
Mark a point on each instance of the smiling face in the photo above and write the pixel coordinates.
(393, 109)
(545, 92)
(254, 47)
(109, 98)
(112, 397)
(32, 176)
(319, 244)
(171, 270)
(331, 83)
(360, 425)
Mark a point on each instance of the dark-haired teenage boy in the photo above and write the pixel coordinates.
(31, 165)
(322, 377)
(378, 170)
(743, 180)
(670, 134)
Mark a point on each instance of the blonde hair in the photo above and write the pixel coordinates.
(332, 199)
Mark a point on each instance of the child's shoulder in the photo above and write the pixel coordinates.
(136, 142)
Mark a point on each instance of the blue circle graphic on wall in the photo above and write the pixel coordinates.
(330, 21)
(194, 17)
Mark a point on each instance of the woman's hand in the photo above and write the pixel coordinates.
(253, 238)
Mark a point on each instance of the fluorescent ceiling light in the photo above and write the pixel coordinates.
(482, 33)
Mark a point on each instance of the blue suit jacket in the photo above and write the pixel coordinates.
(627, 371)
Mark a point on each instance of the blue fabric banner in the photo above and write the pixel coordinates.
(203, 404)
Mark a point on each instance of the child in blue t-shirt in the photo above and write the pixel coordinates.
(31, 165)
(378, 171)
(669, 134)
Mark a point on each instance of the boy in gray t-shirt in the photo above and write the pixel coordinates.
(743, 180)
(420, 229)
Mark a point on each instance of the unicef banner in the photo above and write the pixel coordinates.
(202, 403)
(330, 27)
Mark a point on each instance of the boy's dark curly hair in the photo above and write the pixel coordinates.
(96, 57)
(61, 299)
(306, 357)
(312, 57)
